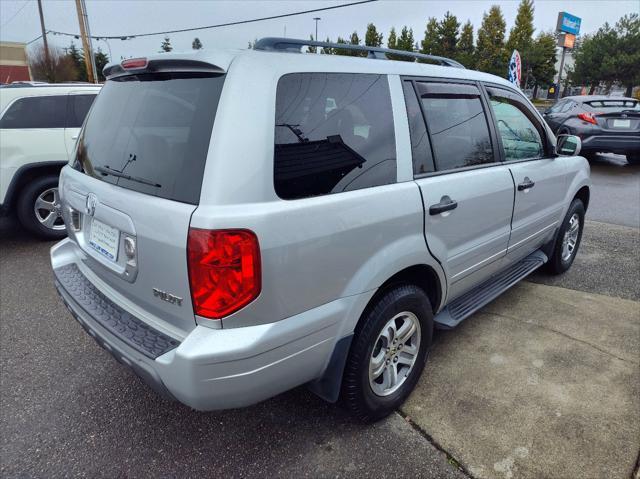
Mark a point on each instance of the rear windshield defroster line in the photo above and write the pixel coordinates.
(150, 133)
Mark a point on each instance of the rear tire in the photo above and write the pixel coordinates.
(633, 158)
(568, 239)
(388, 353)
(44, 222)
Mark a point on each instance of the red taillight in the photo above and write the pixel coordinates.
(224, 270)
(134, 63)
(588, 117)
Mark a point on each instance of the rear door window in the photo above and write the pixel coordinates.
(150, 133)
(457, 124)
(333, 133)
(36, 112)
(78, 107)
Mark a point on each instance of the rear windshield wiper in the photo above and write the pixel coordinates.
(110, 171)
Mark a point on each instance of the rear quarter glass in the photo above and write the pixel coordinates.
(150, 133)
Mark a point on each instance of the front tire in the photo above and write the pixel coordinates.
(568, 239)
(388, 353)
(39, 208)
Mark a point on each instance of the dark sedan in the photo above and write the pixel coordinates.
(605, 124)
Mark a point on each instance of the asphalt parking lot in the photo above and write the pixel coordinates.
(543, 382)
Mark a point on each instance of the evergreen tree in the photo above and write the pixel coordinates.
(196, 44)
(465, 47)
(372, 38)
(406, 42)
(78, 62)
(543, 62)
(310, 48)
(447, 31)
(430, 44)
(165, 46)
(490, 53)
(327, 50)
(341, 51)
(521, 38)
(392, 42)
(610, 55)
(101, 60)
(521, 35)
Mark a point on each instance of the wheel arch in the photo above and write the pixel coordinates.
(24, 175)
(422, 275)
(583, 194)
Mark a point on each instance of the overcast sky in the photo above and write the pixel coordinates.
(19, 19)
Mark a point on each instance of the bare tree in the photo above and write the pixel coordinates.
(61, 68)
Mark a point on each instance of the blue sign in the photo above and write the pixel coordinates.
(568, 23)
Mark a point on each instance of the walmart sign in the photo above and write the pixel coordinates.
(568, 23)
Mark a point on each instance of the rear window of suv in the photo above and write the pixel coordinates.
(333, 133)
(150, 133)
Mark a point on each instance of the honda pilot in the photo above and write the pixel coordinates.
(244, 222)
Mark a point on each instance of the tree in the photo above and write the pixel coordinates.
(465, 48)
(611, 55)
(355, 40)
(542, 62)
(392, 41)
(196, 44)
(405, 42)
(77, 58)
(372, 38)
(327, 50)
(490, 53)
(60, 68)
(448, 30)
(521, 37)
(594, 58)
(310, 48)
(101, 60)
(429, 45)
(627, 65)
(165, 46)
(340, 51)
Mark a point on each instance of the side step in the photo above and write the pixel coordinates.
(470, 302)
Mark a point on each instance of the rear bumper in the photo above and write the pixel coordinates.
(611, 143)
(213, 368)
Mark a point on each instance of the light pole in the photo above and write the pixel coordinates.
(316, 37)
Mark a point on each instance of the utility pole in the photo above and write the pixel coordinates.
(89, 60)
(316, 37)
(47, 57)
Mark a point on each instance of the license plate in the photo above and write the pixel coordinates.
(622, 123)
(104, 239)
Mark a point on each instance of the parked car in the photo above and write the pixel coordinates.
(241, 223)
(39, 125)
(603, 123)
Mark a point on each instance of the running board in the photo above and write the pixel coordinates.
(470, 302)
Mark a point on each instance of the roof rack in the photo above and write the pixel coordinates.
(295, 45)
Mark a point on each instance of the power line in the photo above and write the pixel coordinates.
(219, 25)
(15, 14)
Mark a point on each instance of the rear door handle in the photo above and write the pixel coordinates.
(446, 204)
(526, 184)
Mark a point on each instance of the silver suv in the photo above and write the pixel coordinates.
(241, 223)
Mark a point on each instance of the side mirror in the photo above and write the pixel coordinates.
(547, 111)
(568, 145)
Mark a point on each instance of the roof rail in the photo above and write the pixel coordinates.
(295, 45)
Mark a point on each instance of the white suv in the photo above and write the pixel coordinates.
(38, 130)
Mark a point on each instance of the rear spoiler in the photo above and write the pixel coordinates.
(133, 66)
